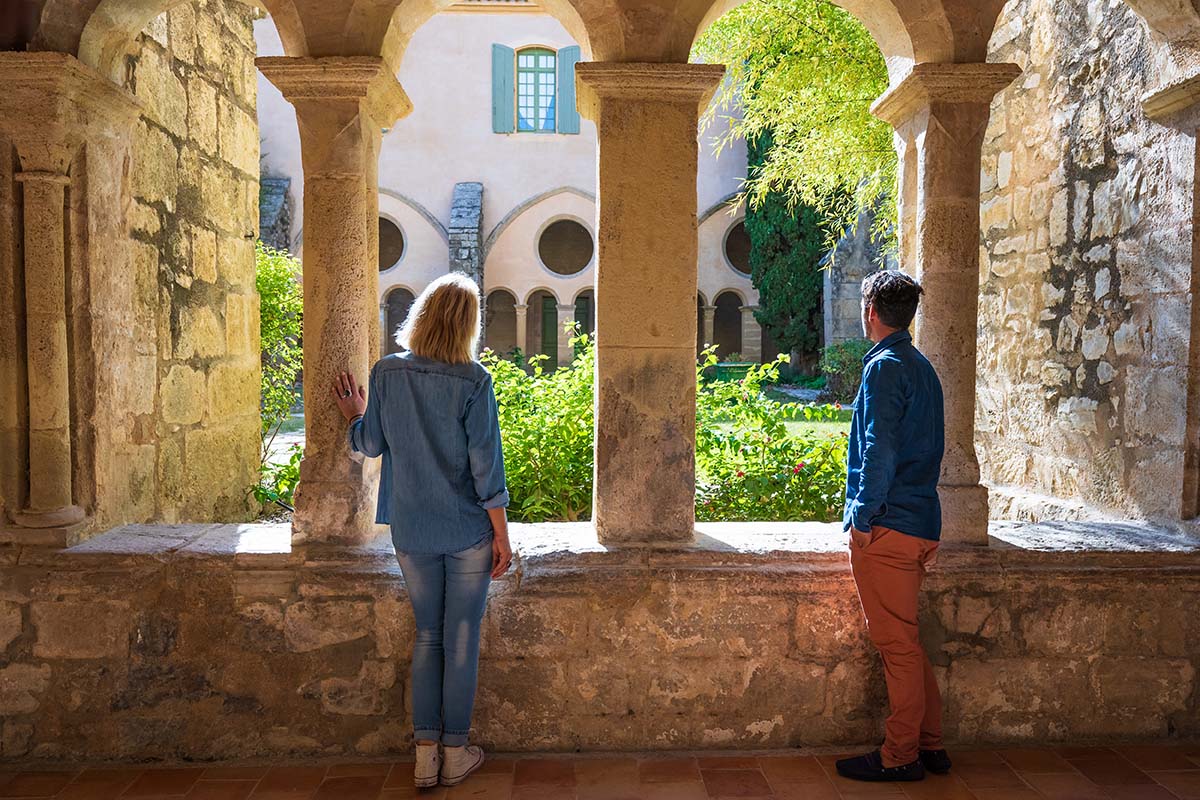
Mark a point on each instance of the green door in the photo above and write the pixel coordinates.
(550, 330)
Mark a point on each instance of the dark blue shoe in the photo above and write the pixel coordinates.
(936, 761)
(870, 767)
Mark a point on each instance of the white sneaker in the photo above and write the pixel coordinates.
(459, 762)
(429, 762)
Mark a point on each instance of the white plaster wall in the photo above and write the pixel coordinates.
(715, 273)
(448, 138)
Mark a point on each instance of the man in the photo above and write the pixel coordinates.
(894, 520)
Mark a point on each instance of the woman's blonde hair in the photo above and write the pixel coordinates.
(443, 323)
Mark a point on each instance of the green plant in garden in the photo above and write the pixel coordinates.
(546, 421)
(749, 466)
(278, 481)
(281, 311)
(842, 365)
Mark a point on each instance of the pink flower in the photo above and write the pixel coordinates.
(837, 406)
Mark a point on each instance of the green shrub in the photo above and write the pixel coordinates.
(750, 466)
(281, 313)
(842, 365)
(278, 481)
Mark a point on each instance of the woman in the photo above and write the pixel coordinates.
(431, 414)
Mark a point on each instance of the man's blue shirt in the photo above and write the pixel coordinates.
(436, 426)
(897, 437)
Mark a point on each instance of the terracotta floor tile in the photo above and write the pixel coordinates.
(937, 787)
(164, 782)
(1110, 770)
(728, 762)
(663, 790)
(352, 770)
(401, 776)
(223, 790)
(1007, 794)
(233, 773)
(543, 792)
(965, 758)
(499, 765)
(735, 783)
(36, 784)
(1030, 760)
(822, 790)
(294, 781)
(1064, 786)
(855, 789)
(544, 772)
(350, 787)
(589, 771)
(1075, 751)
(791, 769)
(608, 791)
(493, 786)
(1156, 757)
(1184, 785)
(1141, 791)
(410, 792)
(99, 784)
(673, 770)
(988, 776)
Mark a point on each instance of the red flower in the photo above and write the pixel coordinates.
(837, 406)
(741, 474)
(796, 469)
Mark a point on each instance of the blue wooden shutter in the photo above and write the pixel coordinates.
(503, 88)
(568, 114)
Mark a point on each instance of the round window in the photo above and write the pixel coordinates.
(391, 244)
(565, 247)
(737, 248)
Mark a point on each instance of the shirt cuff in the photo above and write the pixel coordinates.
(495, 501)
(350, 427)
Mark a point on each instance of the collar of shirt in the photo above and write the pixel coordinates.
(886, 342)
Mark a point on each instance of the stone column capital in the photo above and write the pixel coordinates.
(53, 102)
(943, 83)
(691, 84)
(520, 307)
(364, 82)
(1172, 98)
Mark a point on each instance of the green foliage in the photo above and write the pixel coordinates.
(546, 420)
(805, 72)
(787, 241)
(749, 466)
(842, 365)
(281, 311)
(278, 481)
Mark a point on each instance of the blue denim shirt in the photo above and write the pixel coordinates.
(896, 441)
(435, 424)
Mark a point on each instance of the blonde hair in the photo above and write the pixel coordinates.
(443, 323)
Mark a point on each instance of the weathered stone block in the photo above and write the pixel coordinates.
(1133, 684)
(830, 627)
(239, 138)
(539, 628)
(182, 393)
(204, 254)
(233, 390)
(80, 629)
(201, 333)
(10, 623)
(310, 625)
(367, 694)
(161, 91)
(202, 114)
(155, 177)
(22, 687)
(241, 324)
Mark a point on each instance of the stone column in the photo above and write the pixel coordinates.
(710, 316)
(943, 110)
(342, 103)
(646, 117)
(566, 353)
(522, 328)
(51, 106)
(751, 335)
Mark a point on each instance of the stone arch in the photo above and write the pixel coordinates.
(724, 204)
(114, 25)
(542, 324)
(541, 288)
(727, 322)
(396, 304)
(500, 320)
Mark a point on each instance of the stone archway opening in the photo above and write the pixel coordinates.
(500, 322)
(542, 327)
(727, 326)
(396, 307)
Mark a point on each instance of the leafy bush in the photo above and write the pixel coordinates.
(281, 313)
(278, 481)
(842, 365)
(750, 466)
(546, 418)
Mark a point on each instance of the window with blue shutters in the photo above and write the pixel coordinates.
(533, 90)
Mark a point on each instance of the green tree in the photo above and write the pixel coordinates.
(786, 244)
(281, 312)
(805, 72)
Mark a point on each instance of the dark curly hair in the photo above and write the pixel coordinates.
(894, 295)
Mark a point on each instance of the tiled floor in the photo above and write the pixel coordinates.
(1067, 773)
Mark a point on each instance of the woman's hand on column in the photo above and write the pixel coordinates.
(351, 398)
(501, 555)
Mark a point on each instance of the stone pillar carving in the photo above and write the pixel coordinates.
(566, 353)
(522, 329)
(342, 103)
(710, 316)
(51, 106)
(751, 335)
(646, 117)
(943, 110)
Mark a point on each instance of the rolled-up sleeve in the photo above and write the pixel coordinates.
(483, 446)
(366, 432)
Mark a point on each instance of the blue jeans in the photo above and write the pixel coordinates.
(448, 595)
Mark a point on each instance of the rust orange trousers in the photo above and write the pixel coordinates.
(888, 567)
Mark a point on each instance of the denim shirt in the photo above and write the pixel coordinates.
(436, 426)
(897, 437)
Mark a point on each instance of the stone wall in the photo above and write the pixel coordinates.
(856, 255)
(194, 219)
(1086, 266)
(161, 643)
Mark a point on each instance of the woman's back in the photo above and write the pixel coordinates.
(435, 425)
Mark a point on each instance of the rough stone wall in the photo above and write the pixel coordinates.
(466, 230)
(194, 218)
(168, 646)
(856, 255)
(1086, 266)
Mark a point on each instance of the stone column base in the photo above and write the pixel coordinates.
(964, 514)
(58, 536)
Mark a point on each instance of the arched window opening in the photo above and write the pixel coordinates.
(398, 302)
